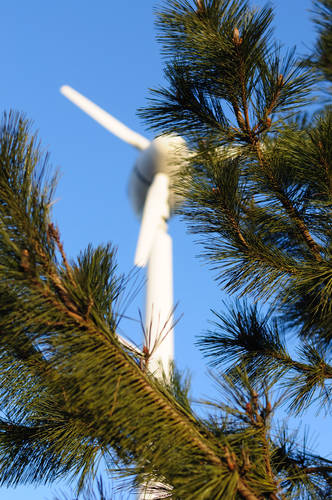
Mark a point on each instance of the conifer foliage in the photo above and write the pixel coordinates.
(258, 189)
(323, 52)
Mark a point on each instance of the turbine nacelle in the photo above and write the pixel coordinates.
(165, 155)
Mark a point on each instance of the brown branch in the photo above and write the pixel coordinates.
(258, 419)
(304, 231)
(239, 117)
(245, 492)
(54, 233)
(274, 102)
(90, 306)
(230, 459)
(63, 294)
(245, 122)
(288, 206)
(266, 123)
(325, 369)
(244, 101)
(233, 221)
(51, 271)
(318, 470)
(241, 486)
(246, 465)
(266, 451)
(237, 229)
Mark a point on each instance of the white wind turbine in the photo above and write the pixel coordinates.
(153, 200)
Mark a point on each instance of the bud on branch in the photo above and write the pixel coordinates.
(200, 7)
(236, 37)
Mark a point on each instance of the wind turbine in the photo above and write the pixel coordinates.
(154, 200)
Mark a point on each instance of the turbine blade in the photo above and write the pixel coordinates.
(155, 213)
(105, 119)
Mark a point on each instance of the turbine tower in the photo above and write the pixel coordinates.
(153, 199)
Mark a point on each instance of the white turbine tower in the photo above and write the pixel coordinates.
(154, 200)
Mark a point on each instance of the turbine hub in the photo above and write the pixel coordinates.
(167, 155)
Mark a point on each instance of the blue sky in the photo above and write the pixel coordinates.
(107, 51)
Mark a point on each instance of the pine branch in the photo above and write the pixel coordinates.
(91, 389)
(246, 338)
(294, 462)
(322, 53)
(251, 418)
(287, 204)
(220, 208)
(244, 123)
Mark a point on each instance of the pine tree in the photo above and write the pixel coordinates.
(257, 188)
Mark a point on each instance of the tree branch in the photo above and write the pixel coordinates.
(288, 206)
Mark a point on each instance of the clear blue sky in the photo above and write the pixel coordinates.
(107, 50)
